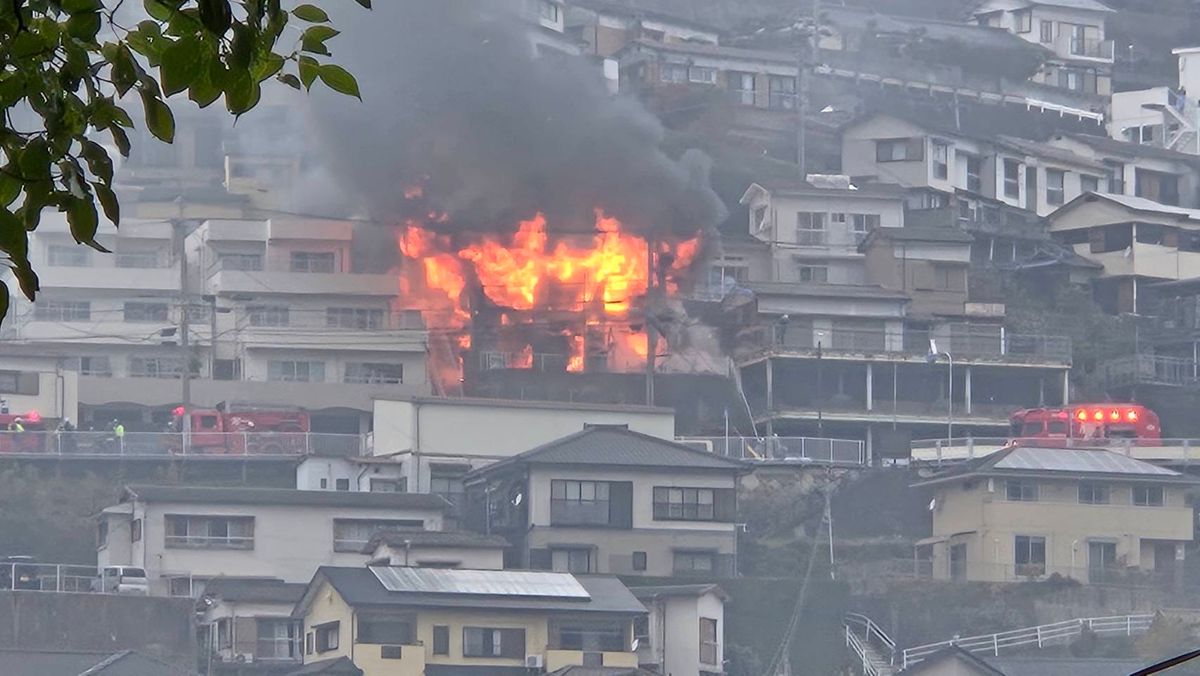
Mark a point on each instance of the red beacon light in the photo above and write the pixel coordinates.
(33, 417)
(1081, 415)
(179, 411)
(1131, 415)
(1098, 415)
(1114, 415)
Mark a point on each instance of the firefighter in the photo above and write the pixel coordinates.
(118, 429)
(66, 438)
(17, 425)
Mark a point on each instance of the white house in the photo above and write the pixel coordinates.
(684, 631)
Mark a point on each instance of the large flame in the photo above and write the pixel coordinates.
(589, 286)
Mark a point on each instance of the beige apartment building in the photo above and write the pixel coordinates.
(1028, 513)
(612, 501)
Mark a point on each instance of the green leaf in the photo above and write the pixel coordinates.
(313, 39)
(34, 161)
(216, 15)
(365, 3)
(14, 238)
(4, 301)
(309, 69)
(159, 9)
(121, 139)
(98, 161)
(84, 26)
(206, 88)
(339, 80)
(290, 80)
(108, 202)
(159, 119)
(124, 71)
(9, 189)
(78, 6)
(310, 13)
(241, 47)
(83, 219)
(266, 67)
(241, 92)
(182, 62)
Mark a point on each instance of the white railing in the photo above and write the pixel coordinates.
(1041, 635)
(874, 641)
(860, 651)
(968, 448)
(158, 444)
(795, 449)
(48, 577)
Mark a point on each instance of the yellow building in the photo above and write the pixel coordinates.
(403, 621)
(1027, 513)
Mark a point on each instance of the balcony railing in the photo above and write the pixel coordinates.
(796, 449)
(963, 341)
(166, 444)
(1149, 369)
(1092, 48)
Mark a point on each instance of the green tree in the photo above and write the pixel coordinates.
(72, 65)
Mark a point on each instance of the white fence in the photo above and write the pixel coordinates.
(796, 449)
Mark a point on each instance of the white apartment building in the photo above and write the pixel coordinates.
(814, 228)
(182, 535)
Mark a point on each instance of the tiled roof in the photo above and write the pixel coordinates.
(341, 666)
(283, 496)
(257, 590)
(653, 591)
(1031, 460)
(435, 538)
(923, 234)
(613, 445)
(1125, 148)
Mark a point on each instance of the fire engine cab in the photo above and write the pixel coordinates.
(17, 442)
(1086, 421)
(242, 431)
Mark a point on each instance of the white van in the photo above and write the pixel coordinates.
(123, 580)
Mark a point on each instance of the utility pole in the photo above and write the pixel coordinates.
(179, 227)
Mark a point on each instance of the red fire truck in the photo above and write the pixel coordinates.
(1086, 422)
(243, 431)
(30, 441)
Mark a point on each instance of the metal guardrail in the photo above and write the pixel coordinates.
(856, 646)
(161, 444)
(48, 577)
(1041, 635)
(1150, 369)
(969, 448)
(796, 449)
(863, 648)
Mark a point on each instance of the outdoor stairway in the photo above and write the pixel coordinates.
(873, 649)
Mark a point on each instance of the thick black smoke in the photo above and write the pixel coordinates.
(455, 99)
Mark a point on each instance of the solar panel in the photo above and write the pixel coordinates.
(1079, 460)
(521, 583)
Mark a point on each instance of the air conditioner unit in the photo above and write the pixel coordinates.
(533, 662)
(244, 658)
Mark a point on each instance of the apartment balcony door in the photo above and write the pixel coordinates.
(1102, 561)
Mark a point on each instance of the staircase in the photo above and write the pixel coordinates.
(873, 649)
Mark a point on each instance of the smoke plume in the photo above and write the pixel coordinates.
(456, 100)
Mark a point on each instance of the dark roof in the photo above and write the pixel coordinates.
(130, 663)
(1112, 146)
(359, 587)
(825, 290)
(953, 653)
(653, 591)
(919, 234)
(282, 496)
(701, 49)
(1034, 666)
(613, 445)
(435, 538)
(251, 589)
(617, 9)
(928, 28)
(517, 403)
(576, 670)
(861, 189)
(341, 666)
(1036, 461)
(1047, 151)
(35, 663)
(1130, 202)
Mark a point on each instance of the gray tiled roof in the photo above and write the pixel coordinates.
(436, 538)
(360, 587)
(652, 591)
(35, 663)
(283, 496)
(1078, 460)
(131, 663)
(923, 234)
(1125, 148)
(341, 666)
(1025, 666)
(612, 445)
(258, 590)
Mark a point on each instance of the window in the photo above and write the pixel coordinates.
(224, 635)
(579, 503)
(62, 310)
(548, 11)
(137, 260)
(573, 560)
(312, 261)
(694, 562)
(277, 639)
(590, 637)
(673, 72)
(267, 315)
(781, 92)
(102, 533)
(352, 535)
(838, 217)
(1047, 31)
(810, 228)
(1023, 20)
(441, 640)
(1021, 491)
(353, 318)
(1089, 183)
(1012, 178)
(227, 369)
(1116, 177)
(327, 636)
(817, 274)
(377, 374)
(308, 643)
(1055, 190)
(387, 485)
(341, 484)
(240, 261)
(742, 86)
(709, 647)
(1148, 496)
(449, 486)
(296, 371)
(1093, 494)
(155, 367)
(95, 366)
(146, 312)
(863, 223)
(1160, 187)
(209, 532)
(383, 629)
(941, 160)
(974, 172)
(900, 150)
(486, 642)
(639, 561)
(684, 504)
(68, 256)
(702, 75)
(1071, 78)
(135, 531)
(1030, 555)
(181, 586)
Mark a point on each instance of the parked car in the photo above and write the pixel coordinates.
(19, 572)
(123, 580)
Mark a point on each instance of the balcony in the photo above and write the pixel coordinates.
(1150, 369)
(1090, 48)
(557, 659)
(142, 276)
(315, 283)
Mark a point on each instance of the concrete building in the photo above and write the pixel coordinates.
(605, 27)
(813, 228)
(184, 535)
(1137, 241)
(436, 549)
(429, 622)
(45, 385)
(1072, 29)
(1026, 513)
(246, 627)
(610, 500)
(684, 631)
